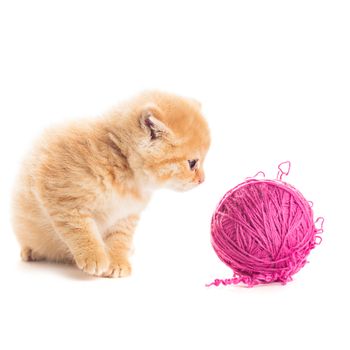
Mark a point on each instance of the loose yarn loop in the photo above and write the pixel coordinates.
(264, 230)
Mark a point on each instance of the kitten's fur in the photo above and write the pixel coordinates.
(80, 191)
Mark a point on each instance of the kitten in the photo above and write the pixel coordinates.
(81, 190)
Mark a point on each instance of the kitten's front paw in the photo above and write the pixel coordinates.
(119, 268)
(94, 263)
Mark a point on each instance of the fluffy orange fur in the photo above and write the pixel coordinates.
(81, 189)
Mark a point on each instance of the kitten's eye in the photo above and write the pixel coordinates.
(193, 163)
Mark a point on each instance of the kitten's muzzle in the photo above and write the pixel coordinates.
(200, 177)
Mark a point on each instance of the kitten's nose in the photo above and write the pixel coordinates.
(201, 177)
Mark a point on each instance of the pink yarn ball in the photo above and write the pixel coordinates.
(263, 230)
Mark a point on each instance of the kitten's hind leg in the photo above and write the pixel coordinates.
(27, 254)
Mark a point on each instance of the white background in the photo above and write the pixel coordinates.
(274, 80)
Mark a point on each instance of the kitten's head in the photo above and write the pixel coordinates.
(172, 139)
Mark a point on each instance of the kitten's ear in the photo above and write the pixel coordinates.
(151, 123)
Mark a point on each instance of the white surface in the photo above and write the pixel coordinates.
(273, 77)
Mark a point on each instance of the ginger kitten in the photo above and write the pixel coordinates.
(81, 190)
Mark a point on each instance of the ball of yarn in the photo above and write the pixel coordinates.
(263, 230)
